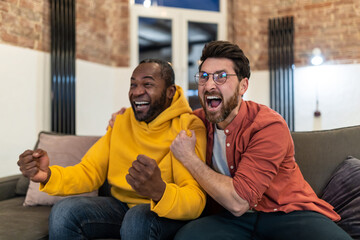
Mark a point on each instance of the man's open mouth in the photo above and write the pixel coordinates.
(213, 101)
(141, 104)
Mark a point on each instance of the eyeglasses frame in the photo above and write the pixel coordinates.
(215, 77)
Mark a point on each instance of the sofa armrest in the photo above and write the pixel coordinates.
(8, 186)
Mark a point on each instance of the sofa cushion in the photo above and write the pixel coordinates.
(343, 192)
(7, 186)
(318, 153)
(22, 185)
(63, 150)
(18, 222)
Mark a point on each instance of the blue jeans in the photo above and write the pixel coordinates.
(297, 225)
(107, 217)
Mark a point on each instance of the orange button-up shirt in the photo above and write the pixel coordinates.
(260, 156)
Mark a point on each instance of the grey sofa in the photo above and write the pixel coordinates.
(318, 153)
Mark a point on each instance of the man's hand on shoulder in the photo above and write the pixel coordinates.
(35, 165)
(183, 147)
(113, 117)
(145, 178)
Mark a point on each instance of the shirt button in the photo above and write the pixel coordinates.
(255, 205)
(231, 167)
(275, 209)
(226, 130)
(228, 144)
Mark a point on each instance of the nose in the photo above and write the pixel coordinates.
(210, 83)
(138, 91)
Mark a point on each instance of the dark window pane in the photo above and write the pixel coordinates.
(198, 35)
(154, 38)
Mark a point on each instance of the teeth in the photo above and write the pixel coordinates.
(141, 103)
(212, 97)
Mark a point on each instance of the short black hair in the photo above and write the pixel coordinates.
(225, 49)
(167, 72)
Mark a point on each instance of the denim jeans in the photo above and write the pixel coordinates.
(106, 217)
(297, 225)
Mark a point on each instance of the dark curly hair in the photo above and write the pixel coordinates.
(225, 49)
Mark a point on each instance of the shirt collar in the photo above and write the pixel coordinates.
(237, 122)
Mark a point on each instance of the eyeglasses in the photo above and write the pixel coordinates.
(219, 78)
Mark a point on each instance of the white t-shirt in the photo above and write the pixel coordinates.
(219, 162)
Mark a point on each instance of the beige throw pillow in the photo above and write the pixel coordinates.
(63, 150)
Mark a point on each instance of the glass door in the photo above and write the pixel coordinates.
(198, 35)
(177, 36)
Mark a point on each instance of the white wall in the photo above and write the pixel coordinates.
(102, 90)
(259, 88)
(337, 87)
(25, 100)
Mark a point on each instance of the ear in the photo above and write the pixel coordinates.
(170, 91)
(244, 84)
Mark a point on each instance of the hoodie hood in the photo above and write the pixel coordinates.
(179, 105)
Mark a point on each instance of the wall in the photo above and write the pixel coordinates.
(332, 25)
(102, 35)
(25, 99)
(24, 102)
(102, 28)
(100, 91)
(25, 23)
(259, 87)
(337, 87)
(103, 31)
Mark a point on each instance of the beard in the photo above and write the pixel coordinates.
(155, 109)
(225, 110)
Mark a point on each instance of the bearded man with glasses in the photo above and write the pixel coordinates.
(256, 189)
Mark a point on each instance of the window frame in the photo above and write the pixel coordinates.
(179, 21)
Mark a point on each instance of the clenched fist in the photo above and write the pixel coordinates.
(183, 147)
(145, 178)
(35, 165)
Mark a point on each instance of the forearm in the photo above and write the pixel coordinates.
(181, 203)
(219, 187)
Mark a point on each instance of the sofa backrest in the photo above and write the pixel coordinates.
(318, 153)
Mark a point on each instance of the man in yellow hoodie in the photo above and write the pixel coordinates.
(152, 193)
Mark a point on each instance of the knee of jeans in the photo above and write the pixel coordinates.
(63, 211)
(138, 217)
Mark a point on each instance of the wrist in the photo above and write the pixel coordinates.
(160, 193)
(48, 176)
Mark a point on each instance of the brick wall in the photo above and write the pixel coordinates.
(331, 25)
(103, 28)
(25, 23)
(102, 31)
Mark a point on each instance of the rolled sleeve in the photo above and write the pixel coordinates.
(260, 162)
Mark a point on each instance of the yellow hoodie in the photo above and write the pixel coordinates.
(113, 154)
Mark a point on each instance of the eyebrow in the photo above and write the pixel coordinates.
(145, 77)
(219, 71)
